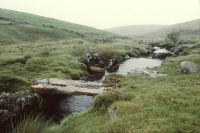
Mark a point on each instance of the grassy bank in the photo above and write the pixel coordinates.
(154, 105)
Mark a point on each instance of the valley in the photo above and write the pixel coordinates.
(52, 72)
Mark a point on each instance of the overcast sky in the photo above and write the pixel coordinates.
(110, 13)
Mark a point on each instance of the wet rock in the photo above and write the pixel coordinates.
(96, 70)
(161, 53)
(189, 67)
(94, 64)
(6, 100)
(96, 73)
(113, 65)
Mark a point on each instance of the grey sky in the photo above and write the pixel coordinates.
(110, 13)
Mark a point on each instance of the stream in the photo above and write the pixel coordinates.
(58, 108)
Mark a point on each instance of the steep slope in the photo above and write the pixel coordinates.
(133, 30)
(18, 26)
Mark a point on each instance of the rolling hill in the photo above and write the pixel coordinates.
(133, 30)
(150, 32)
(189, 29)
(18, 26)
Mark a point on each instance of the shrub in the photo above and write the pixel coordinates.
(173, 38)
(102, 102)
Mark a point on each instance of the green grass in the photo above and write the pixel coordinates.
(171, 65)
(167, 104)
(46, 57)
(18, 27)
(59, 59)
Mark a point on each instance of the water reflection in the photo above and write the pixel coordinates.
(57, 108)
(135, 63)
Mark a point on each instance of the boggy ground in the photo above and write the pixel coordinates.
(144, 105)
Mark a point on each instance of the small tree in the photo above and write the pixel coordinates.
(173, 38)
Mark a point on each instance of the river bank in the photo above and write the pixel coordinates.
(67, 105)
(143, 102)
(124, 68)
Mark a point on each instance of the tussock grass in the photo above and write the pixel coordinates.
(32, 124)
(102, 102)
(13, 84)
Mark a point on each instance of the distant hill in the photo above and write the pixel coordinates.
(186, 29)
(18, 26)
(134, 30)
(190, 29)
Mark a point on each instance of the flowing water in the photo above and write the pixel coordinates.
(135, 63)
(57, 108)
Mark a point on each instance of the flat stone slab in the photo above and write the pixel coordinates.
(76, 83)
(68, 87)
